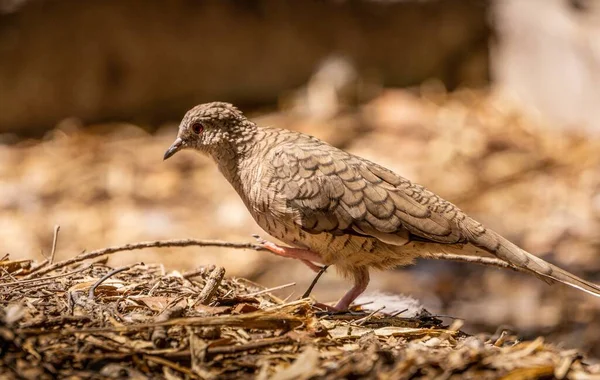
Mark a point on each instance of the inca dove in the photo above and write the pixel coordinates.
(336, 208)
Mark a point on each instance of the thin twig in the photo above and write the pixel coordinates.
(197, 272)
(270, 290)
(247, 282)
(52, 254)
(361, 321)
(355, 305)
(39, 266)
(106, 277)
(54, 240)
(144, 245)
(398, 312)
(314, 282)
(475, 260)
(7, 274)
(212, 284)
(22, 282)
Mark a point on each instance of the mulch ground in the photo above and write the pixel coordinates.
(81, 318)
(107, 185)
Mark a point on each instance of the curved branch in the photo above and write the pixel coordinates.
(490, 261)
(143, 245)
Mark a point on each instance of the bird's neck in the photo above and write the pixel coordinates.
(233, 156)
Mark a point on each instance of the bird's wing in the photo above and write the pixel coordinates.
(325, 189)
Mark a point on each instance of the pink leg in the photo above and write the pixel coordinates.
(361, 280)
(306, 256)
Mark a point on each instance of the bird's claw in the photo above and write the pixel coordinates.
(325, 309)
(260, 240)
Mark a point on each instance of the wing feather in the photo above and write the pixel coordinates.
(328, 190)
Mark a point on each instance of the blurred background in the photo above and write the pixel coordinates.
(494, 105)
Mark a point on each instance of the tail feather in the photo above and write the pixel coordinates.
(507, 251)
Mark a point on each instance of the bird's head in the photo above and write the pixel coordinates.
(212, 127)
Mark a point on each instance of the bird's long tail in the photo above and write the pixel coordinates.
(507, 251)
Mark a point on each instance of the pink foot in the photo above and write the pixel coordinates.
(306, 256)
(325, 307)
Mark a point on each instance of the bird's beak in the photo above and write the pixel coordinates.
(176, 147)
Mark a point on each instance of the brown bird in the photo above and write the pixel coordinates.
(335, 208)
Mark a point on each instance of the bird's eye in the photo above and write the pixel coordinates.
(197, 128)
